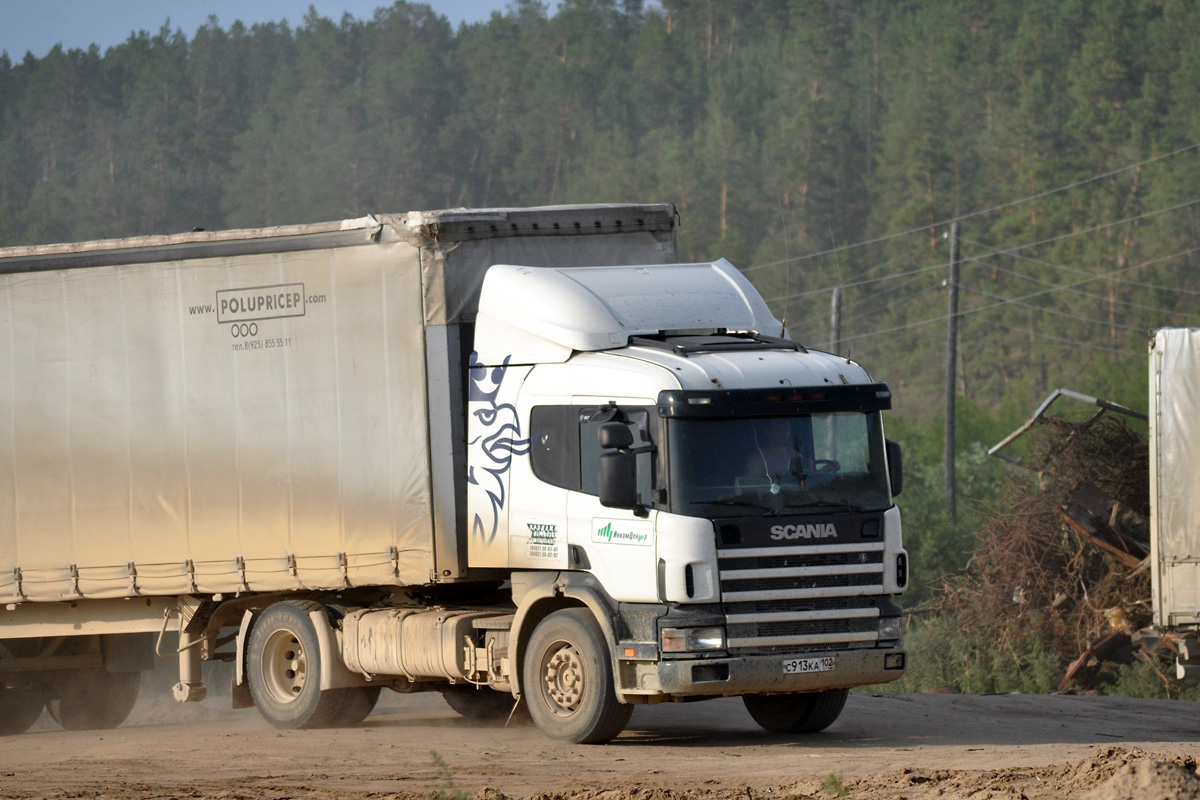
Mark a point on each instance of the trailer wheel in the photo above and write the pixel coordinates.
(796, 713)
(19, 709)
(283, 665)
(95, 700)
(478, 705)
(359, 703)
(568, 680)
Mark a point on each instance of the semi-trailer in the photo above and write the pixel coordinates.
(517, 456)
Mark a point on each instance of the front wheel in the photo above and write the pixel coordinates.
(568, 680)
(283, 665)
(796, 713)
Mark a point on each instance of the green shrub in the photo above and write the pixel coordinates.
(1148, 678)
(943, 653)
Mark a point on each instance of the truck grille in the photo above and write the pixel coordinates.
(801, 599)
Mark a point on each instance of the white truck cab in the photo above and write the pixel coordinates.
(647, 441)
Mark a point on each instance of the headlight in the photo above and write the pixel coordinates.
(690, 640)
(889, 628)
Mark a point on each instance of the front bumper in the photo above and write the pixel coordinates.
(757, 674)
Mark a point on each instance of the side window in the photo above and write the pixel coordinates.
(638, 421)
(554, 445)
(564, 448)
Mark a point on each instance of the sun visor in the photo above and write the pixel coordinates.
(535, 315)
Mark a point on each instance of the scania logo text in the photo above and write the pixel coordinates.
(819, 531)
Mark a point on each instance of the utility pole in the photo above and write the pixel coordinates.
(835, 347)
(951, 373)
(835, 323)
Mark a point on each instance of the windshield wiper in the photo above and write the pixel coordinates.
(826, 504)
(729, 501)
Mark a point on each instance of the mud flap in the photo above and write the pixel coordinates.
(334, 674)
(239, 667)
(240, 694)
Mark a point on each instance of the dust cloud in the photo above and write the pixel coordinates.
(884, 747)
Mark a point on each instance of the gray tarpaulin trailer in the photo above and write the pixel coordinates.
(245, 412)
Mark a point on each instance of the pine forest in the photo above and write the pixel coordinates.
(823, 146)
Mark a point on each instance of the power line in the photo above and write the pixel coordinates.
(1049, 310)
(1081, 293)
(1029, 331)
(1078, 271)
(1006, 251)
(989, 210)
(864, 282)
(894, 259)
(796, 295)
(981, 309)
(893, 299)
(1100, 227)
(1091, 279)
(917, 298)
(894, 296)
(1071, 342)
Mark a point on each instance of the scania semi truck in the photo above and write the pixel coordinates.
(517, 456)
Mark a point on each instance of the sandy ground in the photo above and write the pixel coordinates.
(883, 746)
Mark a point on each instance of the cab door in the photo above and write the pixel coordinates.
(619, 545)
(540, 485)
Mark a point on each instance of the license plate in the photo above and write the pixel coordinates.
(799, 666)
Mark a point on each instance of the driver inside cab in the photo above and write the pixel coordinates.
(775, 458)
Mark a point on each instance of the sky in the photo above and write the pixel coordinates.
(37, 25)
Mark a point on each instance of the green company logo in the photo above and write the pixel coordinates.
(607, 534)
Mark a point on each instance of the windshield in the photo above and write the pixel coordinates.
(813, 463)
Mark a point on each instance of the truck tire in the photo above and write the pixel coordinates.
(796, 713)
(19, 709)
(95, 700)
(359, 703)
(568, 680)
(283, 666)
(478, 705)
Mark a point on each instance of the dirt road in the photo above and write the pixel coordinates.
(884, 746)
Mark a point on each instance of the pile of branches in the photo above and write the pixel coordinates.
(1033, 574)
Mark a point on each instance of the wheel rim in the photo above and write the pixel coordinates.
(562, 678)
(284, 666)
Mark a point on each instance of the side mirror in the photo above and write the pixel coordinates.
(618, 476)
(614, 435)
(895, 460)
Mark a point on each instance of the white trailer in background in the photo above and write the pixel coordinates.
(1175, 490)
(512, 455)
